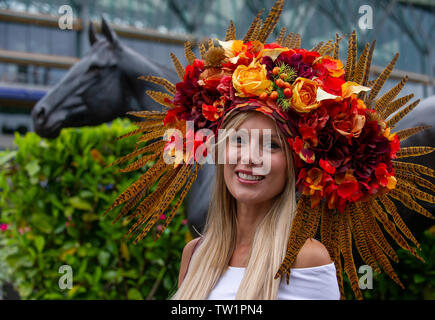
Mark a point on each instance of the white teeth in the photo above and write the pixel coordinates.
(249, 177)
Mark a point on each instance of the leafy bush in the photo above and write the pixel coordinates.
(52, 197)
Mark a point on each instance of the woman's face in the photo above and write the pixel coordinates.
(260, 170)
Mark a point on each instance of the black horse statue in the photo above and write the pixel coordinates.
(100, 87)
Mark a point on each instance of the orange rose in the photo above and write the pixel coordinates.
(304, 95)
(251, 81)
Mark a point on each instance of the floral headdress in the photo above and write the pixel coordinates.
(344, 149)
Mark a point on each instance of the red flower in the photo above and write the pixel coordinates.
(325, 165)
(215, 111)
(395, 146)
(347, 189)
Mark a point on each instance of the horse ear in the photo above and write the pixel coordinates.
(92, 35)
(107, 31)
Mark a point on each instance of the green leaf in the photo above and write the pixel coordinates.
(80, 204)
(134, 294)
(6, 156)
(39, 243)
(32, 168)
(103, 258)
(418, 278)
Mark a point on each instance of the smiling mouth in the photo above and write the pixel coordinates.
(249, 177)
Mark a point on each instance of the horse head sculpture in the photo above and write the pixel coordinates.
(98, 88)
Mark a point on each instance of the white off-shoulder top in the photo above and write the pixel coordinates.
(315, 283)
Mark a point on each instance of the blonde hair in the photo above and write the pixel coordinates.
(269, 246)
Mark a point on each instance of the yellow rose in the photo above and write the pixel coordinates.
(304, 95)
(251, 81)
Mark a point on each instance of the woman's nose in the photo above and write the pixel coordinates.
(252, 155)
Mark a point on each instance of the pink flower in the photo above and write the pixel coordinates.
(162, 217)
(159, 227)
(184, 221)
(3, 227)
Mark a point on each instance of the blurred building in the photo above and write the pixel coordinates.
(35, 52)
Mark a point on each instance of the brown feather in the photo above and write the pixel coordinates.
(317, 46)
(345, 243)
(231, 32)
(271, 21)
(405, 187)
(136, 165)
(413, 167)
(392, 210)
(202, 51)
(330, 238)
(288, 40)
(169, 86)
(372, 228)
(413, 152)
(406, 133)
(176, 184)
(253, 26)
(146, 208)
(410, 203)
(359, 70)
(178, 66)
(399, 115)
(210, 44)
(144, 180)
(160, 97)
(360, 237)
(281, 36)
(148, 148)
(351, 57)
(150, 115)
(305, 225)
(326, 48)
(188, 53)
(389, 226)
(380, 81)
(382, 103)
(396, 105)
(179, 201)
(415, 179)
(366, 74)
(256, 32)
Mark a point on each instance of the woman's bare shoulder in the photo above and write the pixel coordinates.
(185, 259)
(312, 254)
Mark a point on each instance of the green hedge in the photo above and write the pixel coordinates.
(52, 196)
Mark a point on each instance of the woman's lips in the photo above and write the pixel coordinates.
(244, 181)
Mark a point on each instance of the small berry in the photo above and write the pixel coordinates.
(280, 83)
(288, 92)
(263, 96)
(287, 85)
(275, 70)
(283, 76)
(274, 95)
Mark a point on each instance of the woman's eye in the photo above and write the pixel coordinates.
(237, 140)
(273, 145)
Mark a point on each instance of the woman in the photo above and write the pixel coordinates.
(247, 231)
(333, 143)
